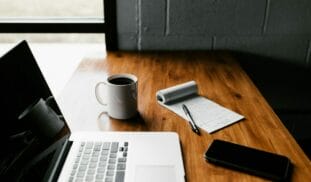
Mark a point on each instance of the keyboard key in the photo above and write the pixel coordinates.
(77, 160)
(109, 179)
(86, 156)
(91, 171)
(112, 161)
(114, 147)
(102, 164)
(101, 170)
(120, 176)
(124, 154)
(110, 173)
(97, 148)
(79, 154)
(103, 158)
(106, 145)
(104, 152)
(79, 180)
(99, 176)
(126, 143)
(111, 166)
(80, 174)
(122, 159)
(95, 153)
(75, 166)
(89, 178)
(113, 156)
(73, 172)
(121, 166)
(87, 151)
(84, 162)
(82, 168)
(70, 179)
(92, 165)
(94, 159)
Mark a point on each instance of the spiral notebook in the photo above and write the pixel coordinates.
(207, 114)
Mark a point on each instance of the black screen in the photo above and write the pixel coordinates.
(21, 84)
(257, 162)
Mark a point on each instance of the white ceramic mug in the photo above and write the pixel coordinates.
(121, 97)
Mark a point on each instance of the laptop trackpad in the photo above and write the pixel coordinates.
(155, 173)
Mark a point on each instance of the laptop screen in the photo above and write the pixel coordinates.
(22, 84)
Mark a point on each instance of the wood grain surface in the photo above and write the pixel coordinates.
(219, 78)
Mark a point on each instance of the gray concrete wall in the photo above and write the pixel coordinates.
(272, 28)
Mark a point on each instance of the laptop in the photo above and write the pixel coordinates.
(79, 156)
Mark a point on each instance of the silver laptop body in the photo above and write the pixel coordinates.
(81, 156)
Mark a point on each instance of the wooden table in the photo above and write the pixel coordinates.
(219, 78)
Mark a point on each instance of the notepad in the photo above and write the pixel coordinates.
(207, 114)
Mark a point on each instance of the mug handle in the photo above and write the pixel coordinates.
(99, 99)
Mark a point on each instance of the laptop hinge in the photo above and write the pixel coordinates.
(57, 161)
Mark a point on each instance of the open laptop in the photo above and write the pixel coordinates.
(82, 156)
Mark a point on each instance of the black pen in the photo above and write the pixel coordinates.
(194, 127)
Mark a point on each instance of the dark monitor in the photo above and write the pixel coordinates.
(22, 83)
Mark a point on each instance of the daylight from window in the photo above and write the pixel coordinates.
(59, 10)
(51, 8)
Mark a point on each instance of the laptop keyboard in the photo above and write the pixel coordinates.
(100, 161)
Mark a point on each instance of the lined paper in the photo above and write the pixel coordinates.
(207, 114)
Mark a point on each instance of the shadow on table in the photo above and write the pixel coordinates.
(286, 86)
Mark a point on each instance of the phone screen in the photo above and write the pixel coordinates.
(247, 159)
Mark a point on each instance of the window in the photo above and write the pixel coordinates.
(39, 20)
(52, 9)
(52, 37)
(55, 16)
(55, 20)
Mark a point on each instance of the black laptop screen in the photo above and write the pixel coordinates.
(22, 83)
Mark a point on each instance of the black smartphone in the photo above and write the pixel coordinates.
(253, 161)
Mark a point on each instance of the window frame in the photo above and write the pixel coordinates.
(49, 25)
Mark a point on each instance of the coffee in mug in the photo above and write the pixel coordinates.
(121, 81)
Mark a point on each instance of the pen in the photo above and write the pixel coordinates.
(194, 127)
